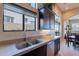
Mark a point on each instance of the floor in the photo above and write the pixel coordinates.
(68, 51)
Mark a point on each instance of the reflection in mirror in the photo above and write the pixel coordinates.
(12, 21)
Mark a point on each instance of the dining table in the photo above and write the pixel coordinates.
(71, 38)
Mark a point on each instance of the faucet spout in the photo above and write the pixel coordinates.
(24, 35)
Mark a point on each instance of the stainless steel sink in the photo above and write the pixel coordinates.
(27, 44)
(35, 42)
(22, 45)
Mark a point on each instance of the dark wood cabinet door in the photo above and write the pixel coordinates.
(50, 49)
(46, 19)
(41, 51)
(56, 46)
(52, 21)
(53, 47)
(46, 24)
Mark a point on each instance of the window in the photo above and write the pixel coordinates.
(57, 28)
(12, 20)
(8, 19)
(29, 23)
(16, 19)
(57, 18)
(26, 20)
(33, 5)
(57, 25)
(75, 27)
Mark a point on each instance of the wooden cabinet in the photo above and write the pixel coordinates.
(52, 21)
(53, 47)
(50, 49)
(56, 46)
(46, 18)
(41, 51)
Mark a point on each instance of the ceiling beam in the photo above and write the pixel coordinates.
(70, 13)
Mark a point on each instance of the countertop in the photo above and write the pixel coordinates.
(11, 50)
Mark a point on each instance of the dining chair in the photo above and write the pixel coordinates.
(76, 41)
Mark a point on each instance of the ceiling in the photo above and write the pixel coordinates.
(67, 6)
(74, 17)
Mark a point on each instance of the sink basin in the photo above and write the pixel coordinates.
(23, 45)
(35, 42)
(27, 44)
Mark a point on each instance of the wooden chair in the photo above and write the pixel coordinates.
(76, 41)
(69, 39)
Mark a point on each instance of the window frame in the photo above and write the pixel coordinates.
(58, 25)
(32, 6)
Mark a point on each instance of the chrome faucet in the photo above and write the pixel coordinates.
(27, 38)
(24, 35)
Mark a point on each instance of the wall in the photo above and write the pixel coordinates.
(70, 13)
(59, 13)
(8, 35)
(4, 36)
(27, 6)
